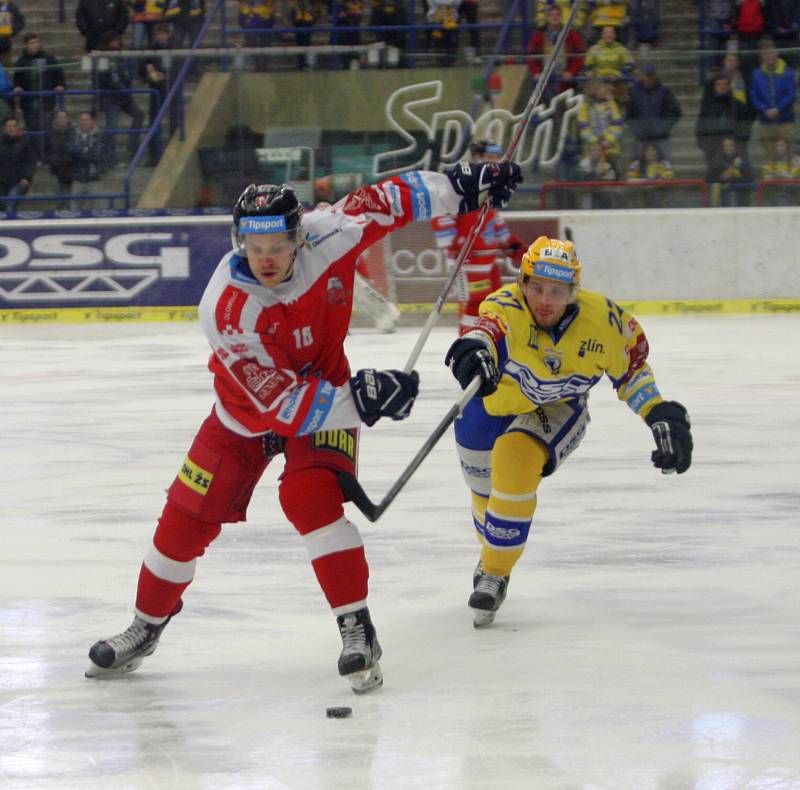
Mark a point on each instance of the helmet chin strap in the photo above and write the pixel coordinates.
(291, 265)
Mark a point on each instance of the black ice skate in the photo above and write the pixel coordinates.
(488, 594)
(124, 652)
(361, 650)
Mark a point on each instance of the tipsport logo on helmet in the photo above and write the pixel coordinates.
(262, 225)
(552, 271)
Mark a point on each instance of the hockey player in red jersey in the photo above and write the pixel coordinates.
(481, 271)
(276, 312)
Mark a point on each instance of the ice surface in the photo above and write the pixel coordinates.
(650, 639)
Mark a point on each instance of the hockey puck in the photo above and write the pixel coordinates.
(338, 713)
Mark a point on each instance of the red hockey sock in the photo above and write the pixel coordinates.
(169, 563)
(312, 501)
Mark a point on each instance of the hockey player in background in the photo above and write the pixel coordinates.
(539, 346)
(276, 312)
(481, 271)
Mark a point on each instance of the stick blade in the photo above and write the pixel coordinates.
(353, 491)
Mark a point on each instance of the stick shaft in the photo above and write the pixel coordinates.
(373, 511)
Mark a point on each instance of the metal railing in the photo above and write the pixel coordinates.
(552, 187)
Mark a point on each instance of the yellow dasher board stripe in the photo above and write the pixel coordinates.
(116, 315)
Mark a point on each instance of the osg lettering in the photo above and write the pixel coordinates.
(66, 267)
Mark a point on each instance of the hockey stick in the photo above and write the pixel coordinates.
(355, 493)
(532, 104)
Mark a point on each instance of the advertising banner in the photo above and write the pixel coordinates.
(156, 268)
(109, 263)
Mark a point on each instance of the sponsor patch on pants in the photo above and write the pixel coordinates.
(340, 441)
(195, 477)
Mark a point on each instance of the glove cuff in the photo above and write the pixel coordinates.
(464, 345)
(669, 410)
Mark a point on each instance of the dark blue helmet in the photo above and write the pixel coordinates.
(483, 146)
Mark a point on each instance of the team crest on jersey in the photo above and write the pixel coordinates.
(336, 292)
(552, 359)
(340, 441)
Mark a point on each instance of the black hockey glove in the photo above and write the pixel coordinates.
(500, 179)
(384, 393)
(468, 358)
(671, 430)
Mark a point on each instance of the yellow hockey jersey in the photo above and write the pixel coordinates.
(540, 366)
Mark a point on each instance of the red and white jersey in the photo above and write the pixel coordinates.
(278, 353)
(489, 248)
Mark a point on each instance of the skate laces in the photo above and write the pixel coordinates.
(131, 638)
(354, 636)
(492, 585)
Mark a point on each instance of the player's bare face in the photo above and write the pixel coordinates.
(270, 256)
(547, 300)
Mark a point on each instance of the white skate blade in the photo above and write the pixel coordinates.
(95, 671)
(482, 618)
(367, 680)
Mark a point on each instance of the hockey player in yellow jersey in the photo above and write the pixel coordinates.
(539, 346)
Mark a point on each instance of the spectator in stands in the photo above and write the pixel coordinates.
(348, 19)
(570, 60)
(304, 13)
(115, 78)
(144, 16)
(156, 72)
(595, 166)
(651, 166)
(784, 163)
(646, 23)
(392, 12)
(783, 24)
(6, 93)
(750, 26)
(728, 172)
(468, 12)
(97, 18)
(652, 112)
(29, 79)
(730, 68)
(543, 6)
(600, 121)
(721, 18)
(12, 21)
(57, 153)
(257, 18)
(87, 152)
(608, 59)
(608, 13)
(187, 22)
(444, 38)
(721, 115)
(772, 93)
(19, 162)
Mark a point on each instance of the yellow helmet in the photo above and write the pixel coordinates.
(551, 259)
